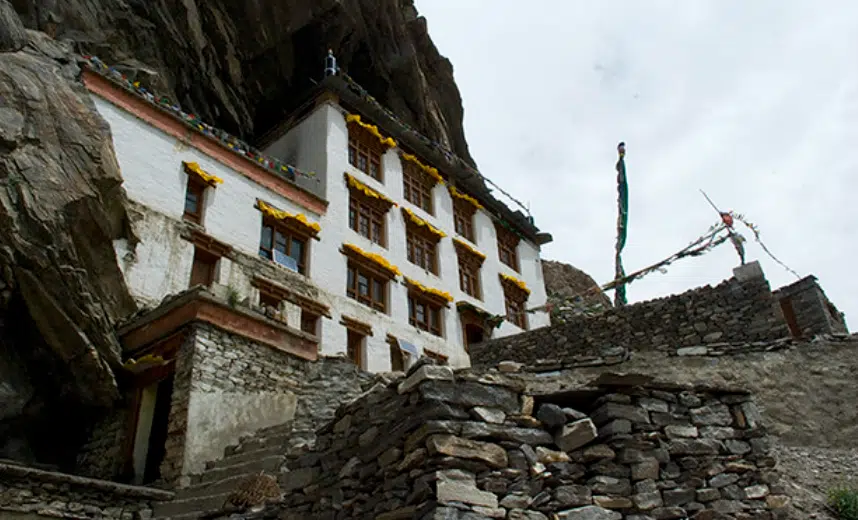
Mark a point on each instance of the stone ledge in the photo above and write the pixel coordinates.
(125, 490)
(196, 305)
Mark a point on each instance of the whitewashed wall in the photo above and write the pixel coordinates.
(151, 163)
(330, 270)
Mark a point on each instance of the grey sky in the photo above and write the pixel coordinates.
(754, 102)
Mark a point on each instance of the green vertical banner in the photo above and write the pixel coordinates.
(622, 224)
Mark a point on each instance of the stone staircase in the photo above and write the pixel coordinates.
(264, 450)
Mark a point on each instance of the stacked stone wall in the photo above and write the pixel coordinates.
(734, 312)
(34, 493)
(814, 313)
(438, 445)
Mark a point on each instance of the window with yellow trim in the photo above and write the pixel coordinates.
(417, 186)
(421, 247)
(463, 218)
(367, 286)
(288, 240)
(424, 313)
(194, 199)
(507, 246)
(515, 300)
(368, 216)
(365, 151)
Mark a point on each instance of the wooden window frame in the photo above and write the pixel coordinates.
(355, 270)
(418, 239)
(201, 255)
(307, 317)
(364, 145)
(463, 218)
(431, 307)
(197, 186)
(375, 212)
(417, 187)
(508, 246)
(515, 303)
(470, 270)
(289, 233)
(355, 352)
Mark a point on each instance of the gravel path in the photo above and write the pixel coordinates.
(809, 473)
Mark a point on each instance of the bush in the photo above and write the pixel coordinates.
(844, 502)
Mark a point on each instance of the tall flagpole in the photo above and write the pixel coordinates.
(622, 224)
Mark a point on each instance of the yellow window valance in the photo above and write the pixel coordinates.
(422, 223)
(429, 170)
(437, 293)
(192, 168)
(386, 141)
(366, 190)
(466, 246)
(463, 196)
(299, 218)
(374, 258)
(515, 281)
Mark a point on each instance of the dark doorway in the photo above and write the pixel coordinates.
(473, 334)
(156, 448)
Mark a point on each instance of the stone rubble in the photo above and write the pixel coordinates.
(443, 445)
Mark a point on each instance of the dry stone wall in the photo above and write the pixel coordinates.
(440, 444)
(46, 494)
(737, 311)
(814, 313)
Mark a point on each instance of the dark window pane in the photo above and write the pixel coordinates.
(265, 240)
(280, 242)
(377, 291)
(297, 251)
(363, 285)
(191, 201)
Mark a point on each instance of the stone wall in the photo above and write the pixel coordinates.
(739, 310)
(34, 493)
(814, 313)
(461, 446)
(101, 456)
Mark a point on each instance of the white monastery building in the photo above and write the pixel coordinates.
(375, 242)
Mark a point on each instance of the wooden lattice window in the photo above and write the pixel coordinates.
(515, 300)
(194, 199)
(291, 242)
(365, 151)
(463, 218)
(368, 217)
(417, 186)
(469, 276)
(424, 314)
(507, 246)
(422, 248)
(367, 286)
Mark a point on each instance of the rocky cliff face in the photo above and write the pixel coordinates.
(563, 281)
(61, 205)
(238, 64)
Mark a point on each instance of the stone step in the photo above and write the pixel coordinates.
(245, 456)
(187, 508)
(270, 464)
(257, 443)
(225, 485)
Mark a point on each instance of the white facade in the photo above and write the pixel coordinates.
(151, 163)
